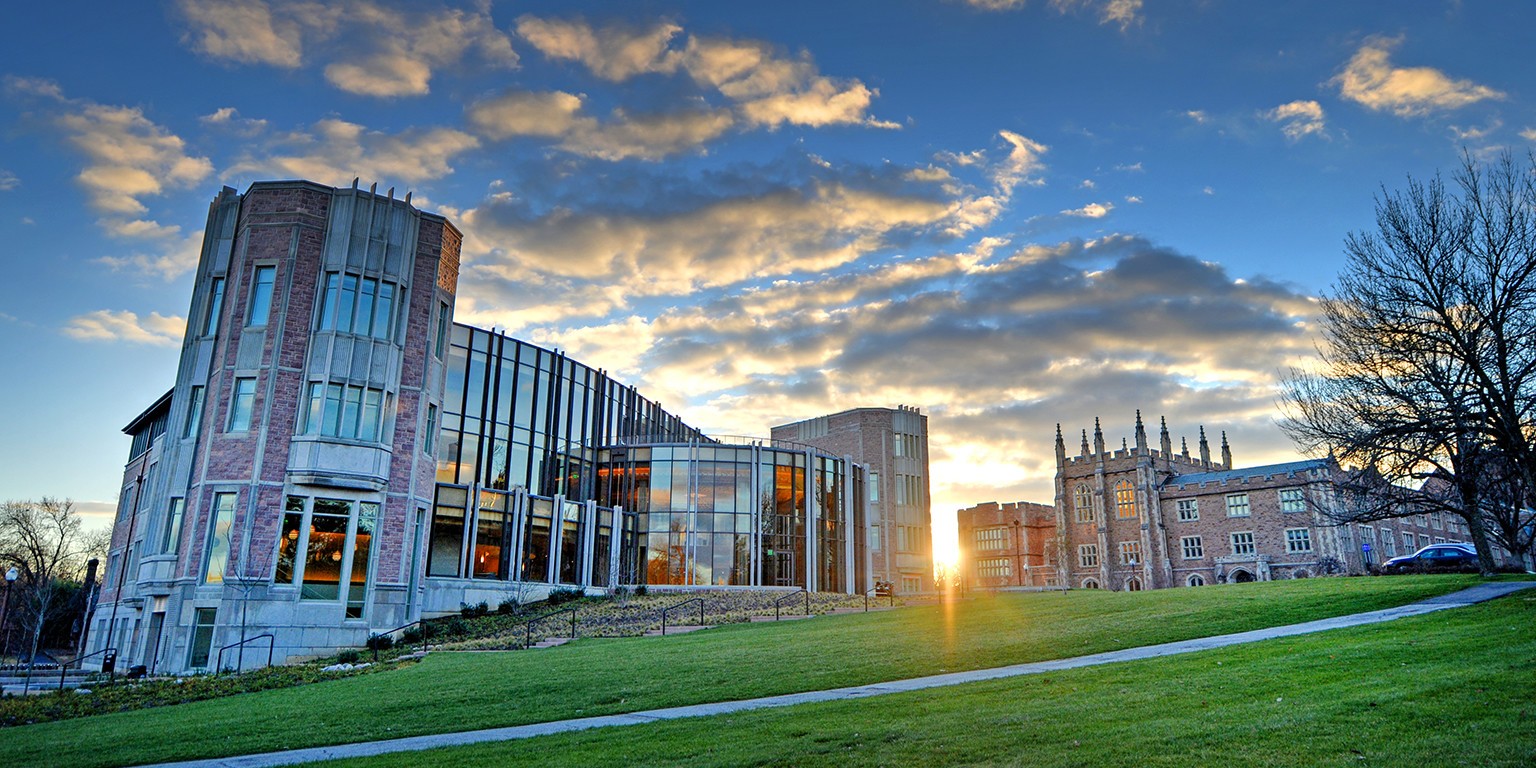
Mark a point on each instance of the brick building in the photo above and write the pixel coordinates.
(893, 443)
(337, 457)
(1008, 545)
(1141, 517)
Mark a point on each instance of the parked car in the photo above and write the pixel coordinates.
(1437, 557)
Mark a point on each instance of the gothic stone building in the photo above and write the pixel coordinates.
(1008, 545)
(1146, 518)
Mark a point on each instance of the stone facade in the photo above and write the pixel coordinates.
(893, 443)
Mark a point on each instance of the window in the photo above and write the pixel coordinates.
(194, 412)
(874, 537)
(1189, 510)
(1125, 500)
(171, 535)
(1408, 542)
(325, 548)
(260, 307)
(362, 305)
(1237, 505)
(1082, 503)
(874, 487)
(1298, 541)
(991, 538)
(909, 490)
(241, 403)
(441, 344)
(1435, 521)
(429, 438)
(1130, 552)
(1368, 535)
(1292, 500)
(1088, 556)
(911, 585)
(219, 533)
(336, 410)
(1090, 583)
(1423, 540)
(202, 636)
(1194, 547)
(1389, 542)
(215, 305)
(995, 568)
(1195, 580)
(1242, 543)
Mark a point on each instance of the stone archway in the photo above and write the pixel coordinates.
(1240, 576)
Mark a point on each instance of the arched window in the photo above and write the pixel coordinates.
(1133, 584)
(1082, 503)
(1090, 583)
(1125, 500)
(1195, 580)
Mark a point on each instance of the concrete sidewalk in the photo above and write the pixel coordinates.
(1477, 594)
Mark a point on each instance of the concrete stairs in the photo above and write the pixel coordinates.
(781, 617)
(550, 642)
(677, 629)
(43, 680)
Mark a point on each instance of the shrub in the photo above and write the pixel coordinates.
(411, 636)
(455, 627)
(473, 611)
(563, 595)
(640, 591)
(381, 643)
(508, 606)
(348, 656)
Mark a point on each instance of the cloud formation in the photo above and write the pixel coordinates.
(1370, 79)
(335, 151)
(1091, 211)
(1122, 13)
(1298, 119)
(374, 49)
(559, 115)
(125, 326)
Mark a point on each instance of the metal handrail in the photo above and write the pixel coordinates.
(64, 668)
(889, 593)
(425, 635)
(528, 637)
(667, 609)
(271, 645)
(780, 601)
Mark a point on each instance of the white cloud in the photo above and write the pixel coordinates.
(1208, 190)
(1197, 115)
(1529, 134)
(1087, 184)
(8, 180)
(336, 151)
(1091, 211)
(374, 49)
(1131, 168)
(1122, 13)
(174, 257)
(1021, 165)
(614, 53)
(1298, 119)
(524, 113)
(109, 325)
(1370, 79)
(557, 114)
(1133, 199)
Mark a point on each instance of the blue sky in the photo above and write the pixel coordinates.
(1008, 213)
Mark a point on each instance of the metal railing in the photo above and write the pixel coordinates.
(779, 602)
(271, 645)
(529, 624)
(426, 636)
(669, 608)
(64, 668)
(888, 593)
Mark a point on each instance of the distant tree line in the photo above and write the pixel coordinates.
(1427, 382)
(46, 544)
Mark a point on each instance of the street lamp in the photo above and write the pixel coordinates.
(5, 613)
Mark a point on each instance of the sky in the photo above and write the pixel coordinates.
(1008, 213)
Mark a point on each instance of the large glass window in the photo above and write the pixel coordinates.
(447, 545)
(1082, 503)
(260, 307)
(215, 305)
(171, 535)
(242, 402)
(288, 542)
(491, 539)
(337, 410)
(1299, 540)
(1125, 500)
(1189, 510)
(335, 537)
(1237, 505)
(194, 411)
(1194, 547)
(321, 579)
(219, 530)
(1242, 543)
(202, 637)
(360, 305)
(536, 540)
(1292, 500)
(362, 551)
(1130, 552)
(1088, 555)
(991, 538)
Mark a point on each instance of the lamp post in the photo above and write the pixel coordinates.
(5, 612)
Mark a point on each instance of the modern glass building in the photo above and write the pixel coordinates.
(337, 457)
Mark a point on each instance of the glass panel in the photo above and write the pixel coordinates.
(373, 400)
(331, 423)
(328, 303)
(261, 296)
(215, 304)
(288, 544)
(362, 549)
(344, 303)
(365, 296)
(351, 406)
(570, 544)
(327, 547)
(536, 541)
(218, 537)
(202, 636)
(447, 536)
(172, 526)
(490, 539)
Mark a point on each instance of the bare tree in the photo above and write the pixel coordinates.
(1429, 354)
(44, 541)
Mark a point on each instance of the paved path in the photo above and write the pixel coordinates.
(1477, 594)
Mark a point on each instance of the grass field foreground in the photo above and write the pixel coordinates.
(1452, 688)
(454, 692)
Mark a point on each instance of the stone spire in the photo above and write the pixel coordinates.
(1164, 442)
(1098, 437)
(1184, 441)
(1205, 447)
(1226, 450)
(1061, 448)
(1085, 442)
(1141, 434)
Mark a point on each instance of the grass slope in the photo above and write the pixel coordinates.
(1448, 689)
(455, 692)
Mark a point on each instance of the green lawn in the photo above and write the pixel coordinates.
(1451, 688)
(454, 692)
